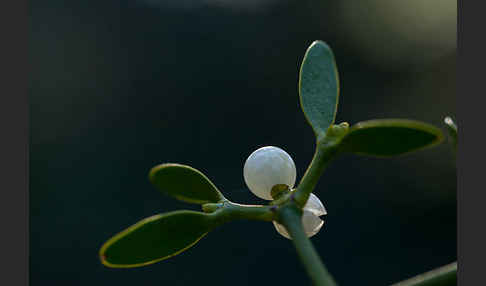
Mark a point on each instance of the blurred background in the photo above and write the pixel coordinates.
(117, 87)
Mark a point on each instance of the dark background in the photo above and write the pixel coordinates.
(117, 87)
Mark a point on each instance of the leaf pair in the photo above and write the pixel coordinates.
(162, 236)
(319, 96)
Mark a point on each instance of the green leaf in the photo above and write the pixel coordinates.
(319, 87)
(155, 238)
(184, 183)
(389, 137)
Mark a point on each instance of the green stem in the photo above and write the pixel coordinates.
(290, 215)
(291, 218)
(227, 211)
(323, 155)
(442, 276)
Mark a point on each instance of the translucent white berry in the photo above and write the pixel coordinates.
(310, 218)
(315, 205)
(267, 167)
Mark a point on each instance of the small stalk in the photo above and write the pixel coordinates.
(291, 217)
(228, 211)
(442, 276)
(327, 147)
(321, 159)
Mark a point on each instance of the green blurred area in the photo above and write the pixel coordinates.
(117, 87)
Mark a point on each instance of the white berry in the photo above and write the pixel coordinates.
(310, 218)
(315, 205)
(267, 167)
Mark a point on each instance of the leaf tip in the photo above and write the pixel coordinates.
(153, 171)
(319, 43)
(102, 255)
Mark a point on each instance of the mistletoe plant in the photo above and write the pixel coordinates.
(270, 174)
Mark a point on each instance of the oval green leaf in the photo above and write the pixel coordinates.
(184, 183)
(390, 137)
(319, 87)
(155, 238)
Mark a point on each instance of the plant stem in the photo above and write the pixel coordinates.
(291, 217)
(442, 276)
(322, 156)
(228, 211)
